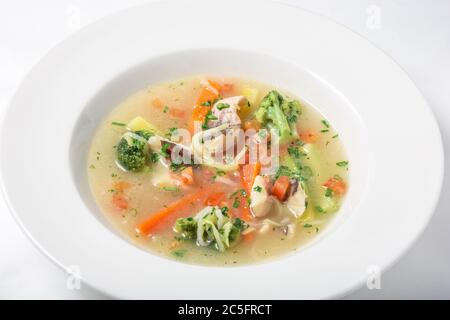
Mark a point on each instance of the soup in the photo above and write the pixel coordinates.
(217, 171)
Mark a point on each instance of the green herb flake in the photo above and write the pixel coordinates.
(165, 149)
(257, 188)
(119, 124)
(236, 203)
(209, 116)
(325, 123)
(180, 253)
(221, 106)
(319, 209)
(329, 193)
(166, 109)
(342, 163)
(307, 225)
(171, 188)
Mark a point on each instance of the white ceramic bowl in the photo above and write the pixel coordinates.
(390, 135)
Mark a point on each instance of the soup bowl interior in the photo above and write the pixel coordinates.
(233, 63)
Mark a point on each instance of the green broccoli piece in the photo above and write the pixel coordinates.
(275, 112)
(234, 235)
(132, 152)
(187, 227)
(221, 236)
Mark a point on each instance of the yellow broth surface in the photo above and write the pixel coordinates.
(170, 105)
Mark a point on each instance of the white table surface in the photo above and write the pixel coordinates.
(415, 33)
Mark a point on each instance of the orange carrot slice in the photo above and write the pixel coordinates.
(281, 187)
(309, 136)
(338, 186)
(155, 218)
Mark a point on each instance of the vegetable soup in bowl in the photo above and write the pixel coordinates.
(217, 170)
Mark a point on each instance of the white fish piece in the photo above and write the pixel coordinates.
(261, 202)
(227, 114)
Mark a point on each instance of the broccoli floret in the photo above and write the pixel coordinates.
(221, 233)
(275, 112)
(132, 152)
(187, 227)
(235, 233)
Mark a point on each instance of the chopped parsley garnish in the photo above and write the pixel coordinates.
(165, 149)
(329, 193)
(319, 209)
(307, 225)
(325, 123)
(171, 188)
(171, 132)
(206, 104)
(209, 116)
(220, 172)
(221, 106)
(324, 130)
(241, 191)
(177, 167)
(335, 136)
(119, 124)
(166, 109)
(179, 253)
(224, 210)
(236, 203)
(342, 163)
(257, 188)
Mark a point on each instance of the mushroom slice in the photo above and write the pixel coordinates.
(297, 202)
(261, 202)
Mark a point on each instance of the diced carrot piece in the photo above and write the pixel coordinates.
(309, 136)
(227, 88)
(244, 211)
(120, 186)
(248, 175)
(251, 124)
(281, 187)
(215, 85)
(206, 95)
(157, 103)
(188, 176)
(215, 199)
(249, 236)
(119, 201)
(338, 186)
(177, 113)
(155, 218)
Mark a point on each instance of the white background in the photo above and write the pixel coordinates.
(415, 33)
